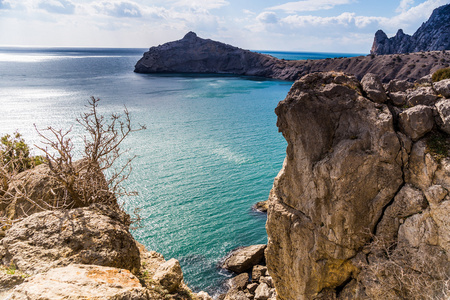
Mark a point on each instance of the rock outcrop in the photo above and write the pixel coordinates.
(433, 35)
(356, 176)
(193, 54)
(243, 259)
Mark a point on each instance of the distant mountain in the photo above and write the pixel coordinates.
(433, 35)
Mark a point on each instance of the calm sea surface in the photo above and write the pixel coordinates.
(211, 149)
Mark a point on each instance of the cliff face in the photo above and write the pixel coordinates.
(360, 172)
(196, 55)
(433, 35)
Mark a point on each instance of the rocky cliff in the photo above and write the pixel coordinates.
(196, 55)
(78, 253)
(433, 35)
(360, 209)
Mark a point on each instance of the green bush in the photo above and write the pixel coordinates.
(441, 74)
(15, 154)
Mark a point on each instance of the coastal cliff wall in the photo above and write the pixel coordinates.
(363, 195)
(193, 54)
(433, 35)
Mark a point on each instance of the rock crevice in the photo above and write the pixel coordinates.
(357, 167)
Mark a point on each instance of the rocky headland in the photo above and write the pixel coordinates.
(361, 206)
(433, 35)
(193, 54)
(78, 252)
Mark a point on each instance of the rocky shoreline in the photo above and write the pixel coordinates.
(193, 54)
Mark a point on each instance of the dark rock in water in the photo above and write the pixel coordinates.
(196, 55)
(243, 259)
(433, 35)
(261, 206)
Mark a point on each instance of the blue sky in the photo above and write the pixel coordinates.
(307, 25)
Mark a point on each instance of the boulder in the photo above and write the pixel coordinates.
(243, 259)
(373, 87)
(169, 275)
(81, 282)
(257, 272)
(262, 206)
(443, 115)
(236, 295)
(263, 292)
(239, 282)
(343, 161)
(92, 235)
(396, 85)
(443, 87)
(421, 167)
(398, 98)
(416, 121)
(421, 96)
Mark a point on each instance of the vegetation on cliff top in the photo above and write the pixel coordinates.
(441, 74)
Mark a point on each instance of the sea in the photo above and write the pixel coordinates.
(211, 149)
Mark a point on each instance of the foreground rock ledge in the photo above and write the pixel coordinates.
(348, 178)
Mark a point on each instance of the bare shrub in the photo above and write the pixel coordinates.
(395, 271)
(84, 181)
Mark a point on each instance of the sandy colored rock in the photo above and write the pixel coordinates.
(443, 88)
(416, 121)
(169, 275)
(262, 292)
(342, 163)
(443, 115)
(239, 282)
(373, 87)
(93, 235)
(421, 167)
(243, 259)
(257, 272)
(421, 96)
(81, 282)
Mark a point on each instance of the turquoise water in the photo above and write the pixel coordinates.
(210, 151)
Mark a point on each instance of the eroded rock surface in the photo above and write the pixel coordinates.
(243, 259)
(351, 184)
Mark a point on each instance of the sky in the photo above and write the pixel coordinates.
(343, 26)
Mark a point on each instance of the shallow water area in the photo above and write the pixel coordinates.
(211, 149)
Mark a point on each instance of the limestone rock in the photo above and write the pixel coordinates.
(435, 194)
(93, 235)
(236, 295)
(257, 272)
(443, 114)
(81, 282)
(373, 87)
(244, 259)
(239, 282)
(407, 202)
(398, 98)
(416, 121)
(203, 296)
(396, 85)
(341, 163)
(421, 96)
(432, 35)
(262, 292)
(421, 167)
(169, 275)
(262, 206)
(193, 54)
(443, 87)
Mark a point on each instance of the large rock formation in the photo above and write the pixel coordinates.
(196, 55)
(433, 35)
(356, 176)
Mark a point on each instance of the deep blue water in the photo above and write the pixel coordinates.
(211, 149)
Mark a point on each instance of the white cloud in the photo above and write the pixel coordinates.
(57, 6)
(309, 5)
(119, 9)
(267, 17)
(404, 5)
(202, 4)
